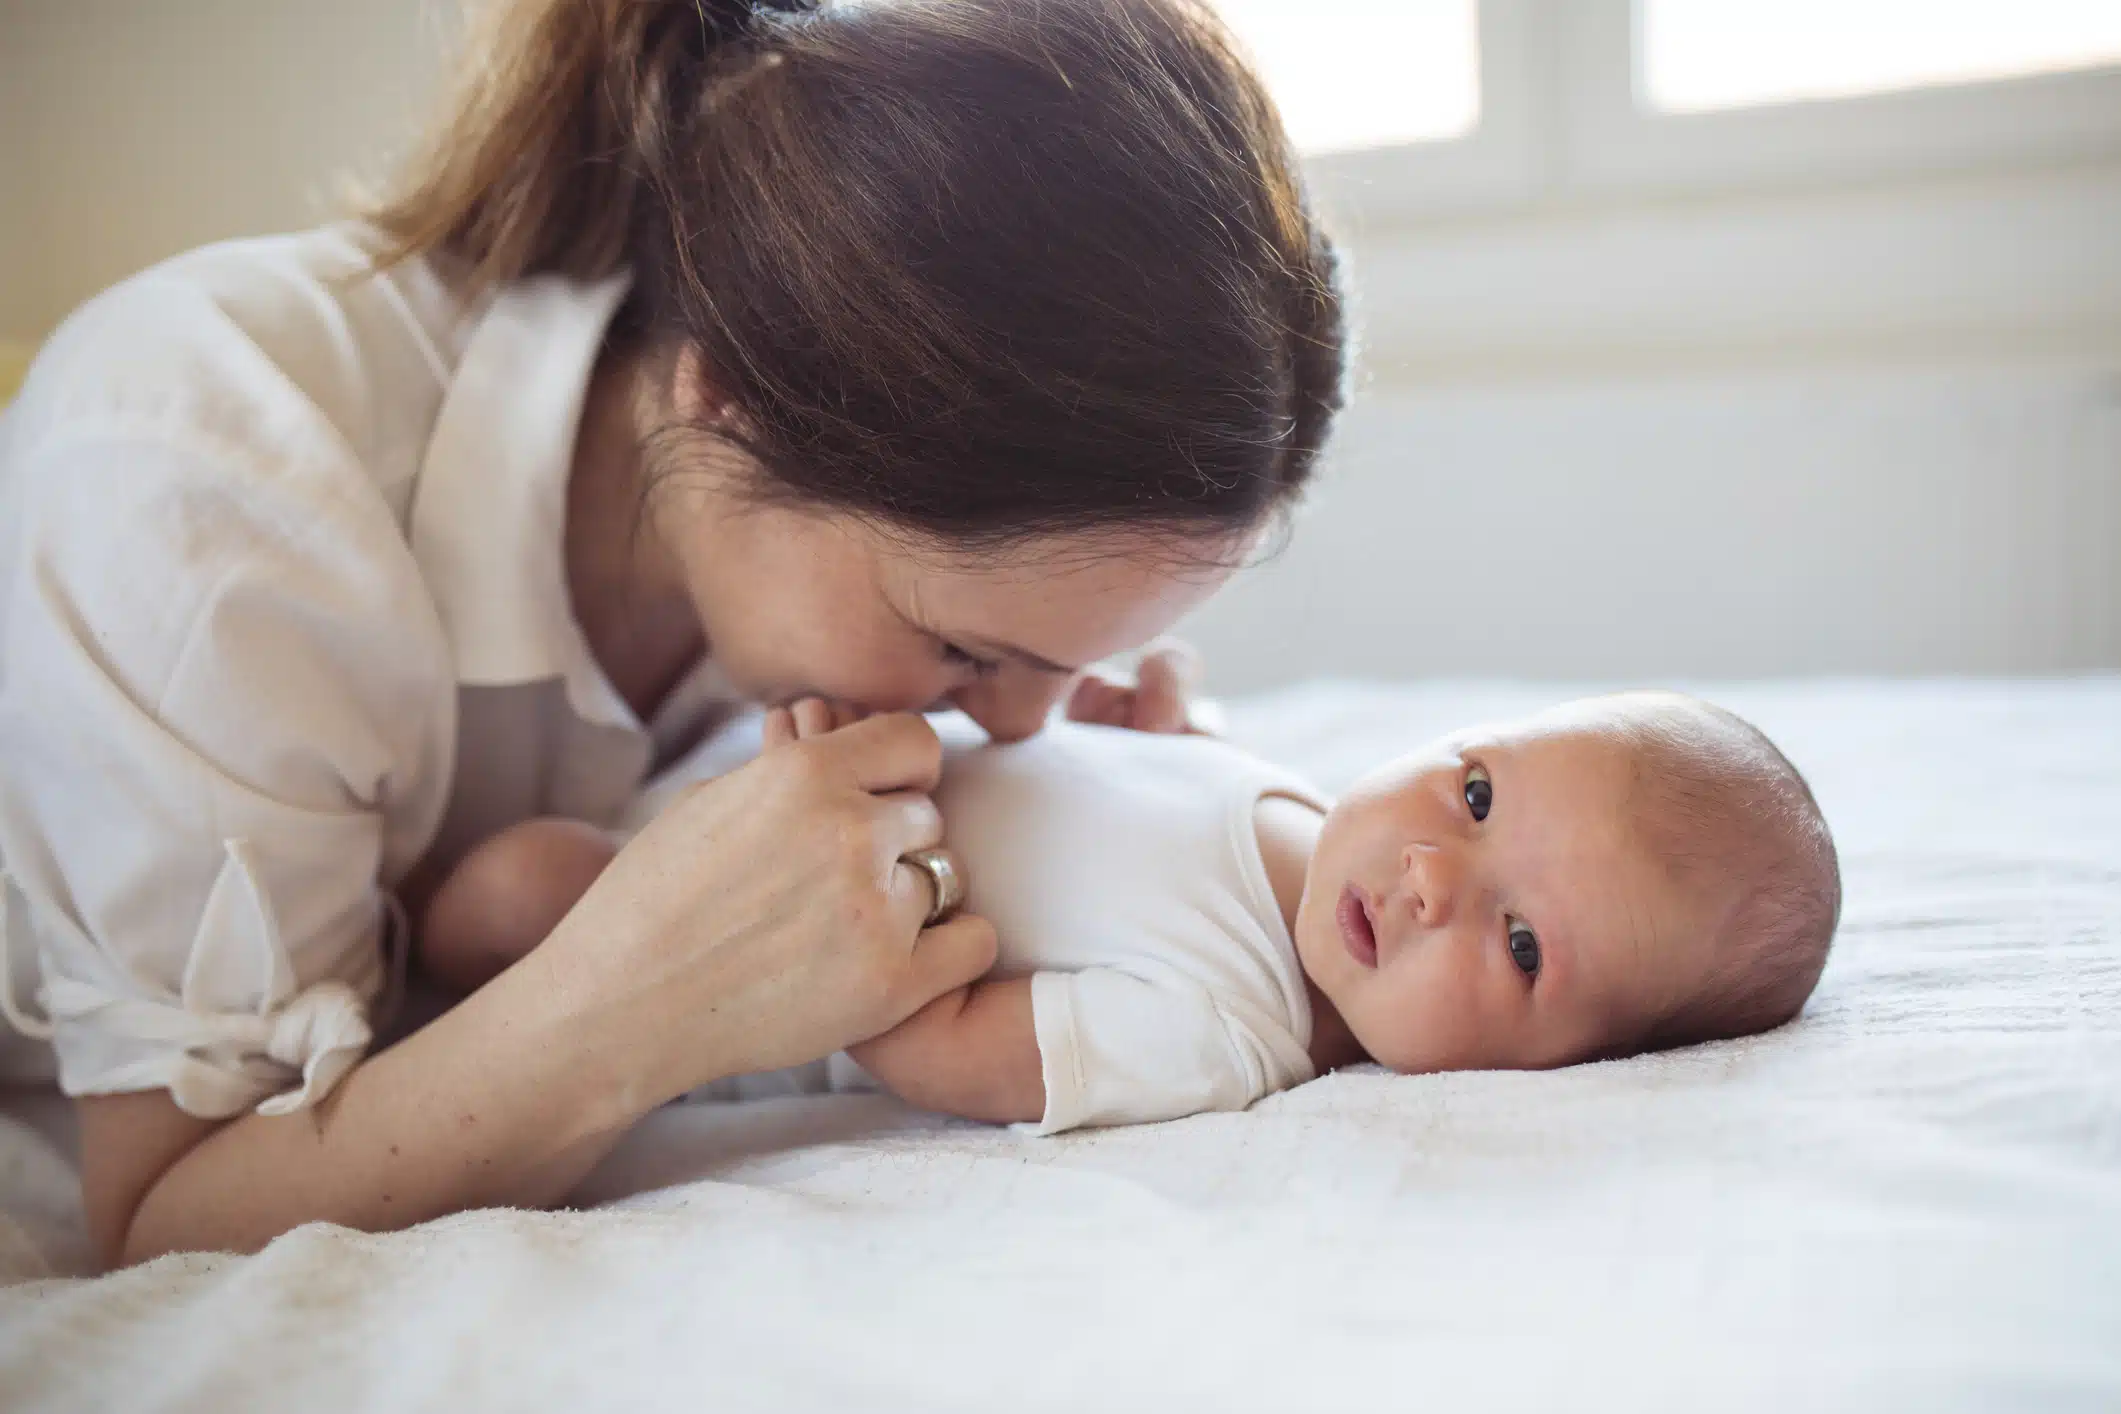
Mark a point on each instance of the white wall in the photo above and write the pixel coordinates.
(1827, 428)
(135, 129)
(1750, 523)
(1819, 429)
(18, 316)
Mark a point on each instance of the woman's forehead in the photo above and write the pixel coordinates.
(1048, 588)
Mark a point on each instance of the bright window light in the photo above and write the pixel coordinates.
(1366, 73)
(1698, 55)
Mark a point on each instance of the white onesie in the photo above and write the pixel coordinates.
(1122, 872)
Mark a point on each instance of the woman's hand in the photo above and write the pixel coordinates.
(764, 920)
(1161, 698)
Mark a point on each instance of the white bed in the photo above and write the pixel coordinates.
(1909, 1199)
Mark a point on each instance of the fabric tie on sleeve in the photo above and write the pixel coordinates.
(252, 1037)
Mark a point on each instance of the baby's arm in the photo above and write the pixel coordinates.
(972, 1053)
(506, 896)
(1119, 1049)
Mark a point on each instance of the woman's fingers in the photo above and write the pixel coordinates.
(889, 753)
(773, 897)
(912, 899)
(905, 821)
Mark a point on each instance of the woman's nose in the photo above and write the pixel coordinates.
(1430, 884)
(1010, 707)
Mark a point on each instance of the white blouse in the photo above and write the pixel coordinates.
(283, 611)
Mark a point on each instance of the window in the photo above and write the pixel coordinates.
(1701, 55)
(1356, 74)
(1419, 109)
(1638, 179)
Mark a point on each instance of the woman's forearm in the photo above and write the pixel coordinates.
(502, 1102)
(759, 922)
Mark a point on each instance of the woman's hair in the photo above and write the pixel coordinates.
(980, 270)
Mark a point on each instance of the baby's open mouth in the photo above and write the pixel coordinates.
(1357, 929)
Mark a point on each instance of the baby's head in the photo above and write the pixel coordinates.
(1617, 875)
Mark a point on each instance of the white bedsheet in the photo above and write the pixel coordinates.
(1909, 1199)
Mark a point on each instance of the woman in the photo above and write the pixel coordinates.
(894, 354)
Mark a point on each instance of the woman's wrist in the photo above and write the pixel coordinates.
(600, 1048)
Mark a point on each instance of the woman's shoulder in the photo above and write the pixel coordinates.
(275, 349)
(234, 432)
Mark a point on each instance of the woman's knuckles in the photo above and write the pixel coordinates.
(807, 766)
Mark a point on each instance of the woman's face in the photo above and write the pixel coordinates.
(801, 603)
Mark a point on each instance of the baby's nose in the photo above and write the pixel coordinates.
(1431, 884)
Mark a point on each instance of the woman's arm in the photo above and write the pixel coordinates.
(762, 921)
(504, 1101)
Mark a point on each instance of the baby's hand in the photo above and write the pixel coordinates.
(1160, 700)
(812, 716)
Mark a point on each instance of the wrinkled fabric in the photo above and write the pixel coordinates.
(283, 612)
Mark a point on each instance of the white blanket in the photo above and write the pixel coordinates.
(1909, 1199)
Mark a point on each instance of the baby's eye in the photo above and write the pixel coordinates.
(1480, 792)
(1524, 949)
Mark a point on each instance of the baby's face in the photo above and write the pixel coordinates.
(1485, 904)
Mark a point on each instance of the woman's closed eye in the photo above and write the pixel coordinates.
(980, 667)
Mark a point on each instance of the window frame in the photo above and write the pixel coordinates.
(1497, 163)
(1563, 115)
(1619, 140)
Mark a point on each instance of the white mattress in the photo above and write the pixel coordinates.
(1909, 1199)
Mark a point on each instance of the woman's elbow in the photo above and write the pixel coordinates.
(130, 1144)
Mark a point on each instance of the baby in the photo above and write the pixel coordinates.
(1184, 927)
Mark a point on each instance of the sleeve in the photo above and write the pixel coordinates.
(1117, 1048)
(223, 697)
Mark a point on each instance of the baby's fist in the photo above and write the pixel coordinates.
(1160, 700)
(812, 716)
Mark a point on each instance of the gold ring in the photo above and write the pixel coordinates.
(949, 885)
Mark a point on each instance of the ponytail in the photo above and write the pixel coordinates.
(561, 119)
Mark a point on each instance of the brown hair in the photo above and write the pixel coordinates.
(982, 270)
(1736, 827)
